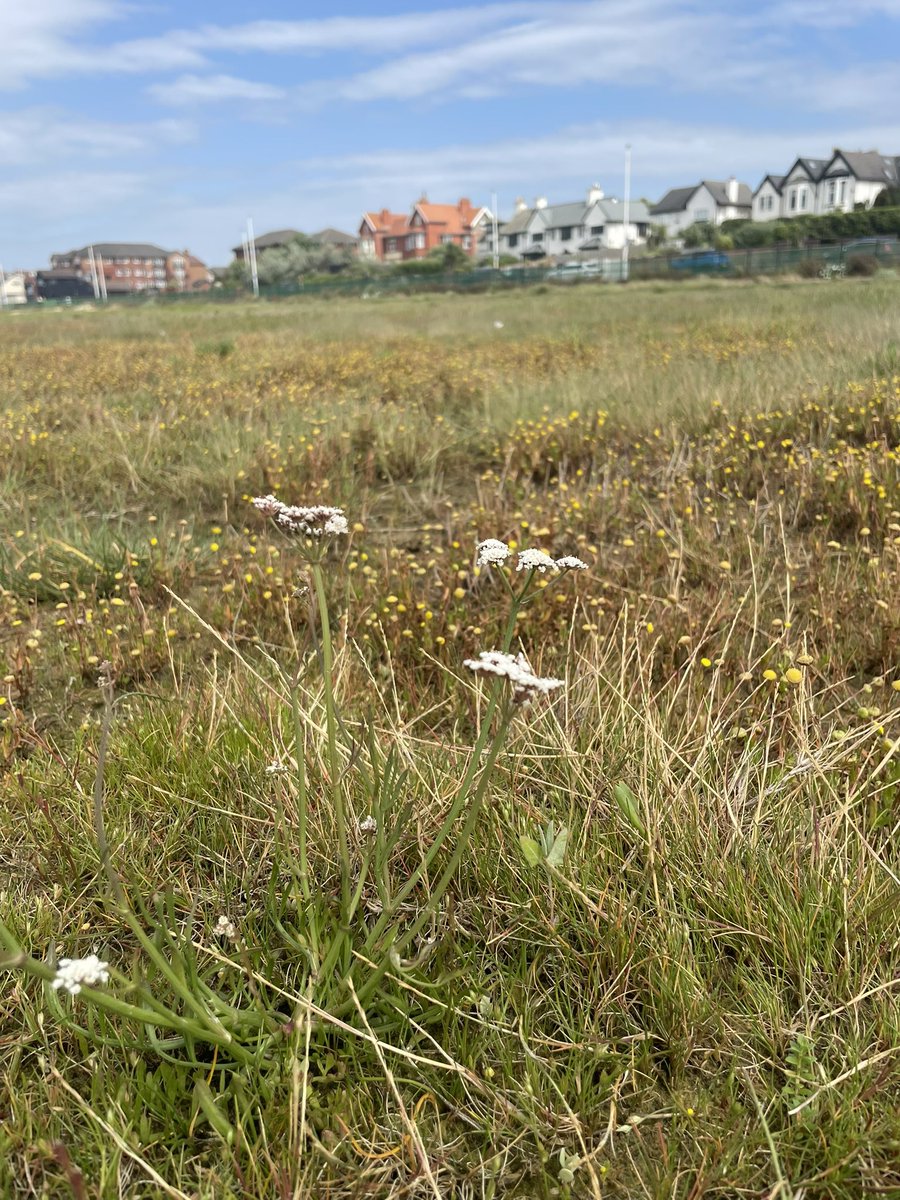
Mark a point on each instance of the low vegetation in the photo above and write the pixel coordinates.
(365, 923)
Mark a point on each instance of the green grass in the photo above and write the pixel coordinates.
(693, 991)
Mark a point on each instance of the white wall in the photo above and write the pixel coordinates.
(13, 291)
(759, 210)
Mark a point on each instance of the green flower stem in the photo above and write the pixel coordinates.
(518, 599)
(302, 797)
(334, 768)
(437, 892)
(164, 1019)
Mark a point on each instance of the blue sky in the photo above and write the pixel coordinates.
(172, 122)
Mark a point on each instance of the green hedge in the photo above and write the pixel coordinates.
(830, 227)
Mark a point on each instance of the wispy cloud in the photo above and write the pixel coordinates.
(34, 136)
(665, 154)
(212, 89)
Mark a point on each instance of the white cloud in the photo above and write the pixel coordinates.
(206, 89)
(34, 136)
(45, 39)
(665, 154)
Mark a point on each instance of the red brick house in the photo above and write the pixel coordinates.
(392, 237)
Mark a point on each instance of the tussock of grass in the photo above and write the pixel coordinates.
(697, 995)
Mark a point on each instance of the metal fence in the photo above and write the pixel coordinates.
(825, 260)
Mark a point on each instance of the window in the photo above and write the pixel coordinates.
(513, 240)
(596, 230)
(537, 237)
(841, 185)
(642, 229)
(702, 214)
(467, 242)
(831, 191)
(447, 239)
(391, 245)
(565, 234)
(801, 197)
(792, 204)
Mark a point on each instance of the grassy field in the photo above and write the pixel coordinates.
(372, 927)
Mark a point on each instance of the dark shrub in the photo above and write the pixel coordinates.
(862, 264)
(808, 268)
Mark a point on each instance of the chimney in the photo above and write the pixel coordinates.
(595, 193)
(464, 203)
(521, 206)
(540, 202)
(731, 190)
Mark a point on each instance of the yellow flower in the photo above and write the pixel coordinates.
(770, 675)
(793, 675)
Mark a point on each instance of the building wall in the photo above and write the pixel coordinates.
(13, 290)
(766, 203)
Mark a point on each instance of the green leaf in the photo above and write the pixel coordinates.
(557, 852)
(628, 806)
(531, 851)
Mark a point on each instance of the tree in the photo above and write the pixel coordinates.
(699, 234)
(888, 197)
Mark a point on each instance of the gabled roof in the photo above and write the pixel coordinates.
(777, 182)
(271, 241)
(333, 237)
(559, 215)
(719, 192)
(813, 167)
(870, 166)
(674, 200)
(614, 211)
(454, 218)
(386, 222)
(517, 223)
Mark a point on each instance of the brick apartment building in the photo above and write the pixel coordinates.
(394, 237)
(128, 267)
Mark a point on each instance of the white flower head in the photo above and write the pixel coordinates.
(570, 563)
(308, 520)
(71, 973)
(498, 324)
(535, 560)
(492, 552)
(368, 825)
(514, 667)
(225, 928)
(276, 767)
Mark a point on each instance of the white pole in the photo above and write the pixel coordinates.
(252, 243)
(3, 296)
(102, 276)
(627, 211)
(494, 232)
(94, 279)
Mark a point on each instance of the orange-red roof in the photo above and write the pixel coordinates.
(387, 222)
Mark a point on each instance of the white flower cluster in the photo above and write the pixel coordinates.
(225, 928)
(71, 973)
(514, 667)
(307, 520)
(493, 553)
(368, 825)
(276, 767)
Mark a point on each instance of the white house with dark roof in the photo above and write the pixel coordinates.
(710, 200)
(594, 224)
(766, 205)
(823, 185)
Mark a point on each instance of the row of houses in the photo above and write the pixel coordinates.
(596, 225)
(811, 187)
